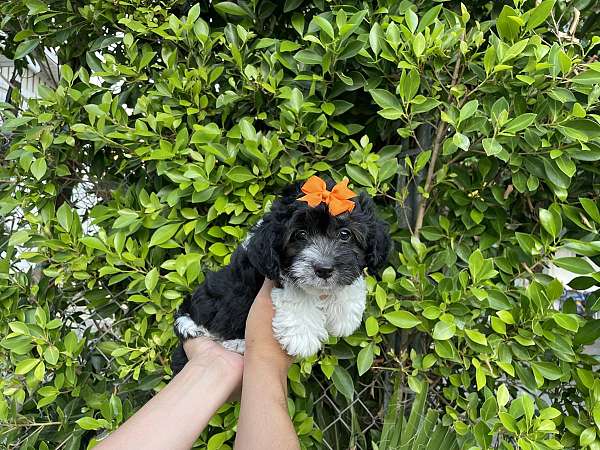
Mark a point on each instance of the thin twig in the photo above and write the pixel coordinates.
(442, 128)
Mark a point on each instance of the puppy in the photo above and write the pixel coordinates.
(315, 251)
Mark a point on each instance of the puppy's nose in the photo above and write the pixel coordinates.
(323, 271)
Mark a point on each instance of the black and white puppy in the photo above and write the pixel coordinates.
(316, 261)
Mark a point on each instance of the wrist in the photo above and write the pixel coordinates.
(216, 371)
(277, 364)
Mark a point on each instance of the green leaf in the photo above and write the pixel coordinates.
(239, 174)
(359, 175)
(25, 48)
(591, 209)
(291, 5)
(419, 44)
(443, 331)
(508, 422)
(491, 146)
(480, 378)
(548, 370)
(409, 84)
(371, 325)
(231, 8)
(476, 261)
(19, 237)
(296, 100)
(566, 321)
(515, 50)
(549, 413)
(219, 249)
(429, 17)
(461, 141)
(550, 223)
(151, 279)
(402, 319)
(324, 25)
(502, 395)
(385, 99)
(38, 168)
(205, 133)
(88, 423)
(574, 264)
(508, 29)
(217, 440)
(364, 359)
(489, 409)
(343, 382)
(36, 7)
(93, 242)
(519, 123)
(26, 366)
(64, 216)
(468, 110)
(376, 38)
(588, 334)
(164, 233)
(308, 57)
(476, 336)
(427, 105)
(539, 14)
(489, 59)
(51, 354)
(587, 437)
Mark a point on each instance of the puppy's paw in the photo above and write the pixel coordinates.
(186, 328)
(299, 344)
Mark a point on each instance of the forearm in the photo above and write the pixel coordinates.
(176, 416)
(264, 407)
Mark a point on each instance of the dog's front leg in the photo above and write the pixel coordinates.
(344, 311)
(299, 323)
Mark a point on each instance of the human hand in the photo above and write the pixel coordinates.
(206, 354)
(260, 343)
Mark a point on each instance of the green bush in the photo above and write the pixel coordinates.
(170, 131)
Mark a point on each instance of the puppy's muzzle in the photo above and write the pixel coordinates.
(323, 271)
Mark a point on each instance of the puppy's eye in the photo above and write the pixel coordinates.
(300, 235)
(344, 234)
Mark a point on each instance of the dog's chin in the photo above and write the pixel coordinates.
(319, 288)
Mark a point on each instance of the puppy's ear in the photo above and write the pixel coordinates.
(379, 242)
(264, 247)
(266, 244)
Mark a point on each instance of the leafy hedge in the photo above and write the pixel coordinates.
(173, 126)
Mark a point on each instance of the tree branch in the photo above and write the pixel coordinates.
(442, 128)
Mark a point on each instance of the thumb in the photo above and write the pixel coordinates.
(265, 290)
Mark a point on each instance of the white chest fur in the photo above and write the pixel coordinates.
(303, 321)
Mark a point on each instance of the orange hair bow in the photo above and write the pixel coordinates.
(337, 200)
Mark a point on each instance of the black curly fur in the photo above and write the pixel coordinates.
(222, 302)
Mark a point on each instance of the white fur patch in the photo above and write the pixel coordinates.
(344, 311)
(298, 324)
(189, 329)
(235, 345)
(249, 236)
(303, 320)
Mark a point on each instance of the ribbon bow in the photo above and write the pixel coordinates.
(337, 200)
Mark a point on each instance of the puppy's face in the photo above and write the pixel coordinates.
(314, 250)
(320, 252)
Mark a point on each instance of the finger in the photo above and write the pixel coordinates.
(190, 344)
(266, 288)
